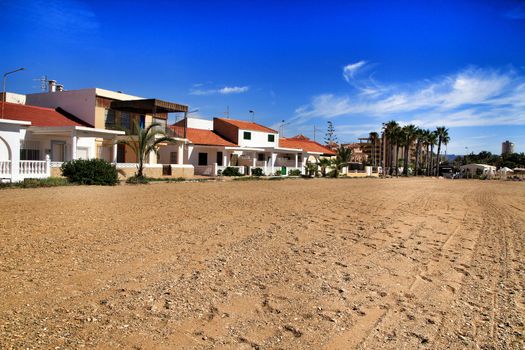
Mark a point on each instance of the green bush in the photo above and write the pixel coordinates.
(294, 172)
(231, 171)
(90, 172)
(34, 183)
(257, 172)
(278, 173)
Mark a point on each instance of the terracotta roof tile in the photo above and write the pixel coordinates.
(241, 124)
(305, 144)
(39, 116)
(206, 137)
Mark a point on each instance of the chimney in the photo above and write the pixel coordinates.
(52, 85)
(60, 87)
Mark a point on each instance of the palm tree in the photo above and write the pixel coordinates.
(399, 136)
(419, 141)
(410, 134)
(373, 139)
(432, 138)
(146, 141)
(323, 164)
(342, 158)
(390, 129)
(442, 138)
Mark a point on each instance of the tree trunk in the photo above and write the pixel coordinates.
(437, 158)
(397, 160)
(405, 161)
(418, 146)
(431, 157)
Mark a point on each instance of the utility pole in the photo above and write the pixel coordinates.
(3, 89)
(315, 129)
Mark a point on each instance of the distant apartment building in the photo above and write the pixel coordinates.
(507, 147)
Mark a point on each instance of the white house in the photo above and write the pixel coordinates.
(34, 139)
(222, 142)
(470, 170)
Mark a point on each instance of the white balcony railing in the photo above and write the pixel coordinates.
(34, 169)
(5, 169)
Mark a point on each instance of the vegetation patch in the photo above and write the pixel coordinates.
(90, 172)
(35, 183)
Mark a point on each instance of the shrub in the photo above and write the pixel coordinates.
(34, 183)
(138, 180)
(278, 173)
(257, 172)
(231, 171)
(90, 172)
(294, 172)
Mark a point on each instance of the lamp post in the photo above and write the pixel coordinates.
(253, 115)
(3, 88)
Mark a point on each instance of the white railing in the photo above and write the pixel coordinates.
(5, 169)
(34, 169)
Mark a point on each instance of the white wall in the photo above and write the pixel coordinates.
(196, 123)
(80, 103)
(259, 139)
(193, 154)
(9, 141)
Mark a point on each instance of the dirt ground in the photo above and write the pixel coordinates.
(295, 264)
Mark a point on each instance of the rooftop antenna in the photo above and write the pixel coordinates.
(227, 113)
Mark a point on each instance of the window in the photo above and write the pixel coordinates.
(260, 157)
(109, 118)
(271, 138)
(173, 158)
(203, 158)
(219, 158)
(125, 120)
(247, 135)
(299, 157)
(29, 154)
(29, 150)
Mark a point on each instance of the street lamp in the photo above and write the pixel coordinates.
(3, 88)
(253, 115)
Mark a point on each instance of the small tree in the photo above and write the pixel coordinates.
(330, 139)
(324, 163)
(310, 169)
(146, 141)
(343, 156)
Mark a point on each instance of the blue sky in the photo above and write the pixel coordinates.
(356, 63)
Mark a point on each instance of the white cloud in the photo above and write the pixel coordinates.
(471, 97)
(227, 90)
(351, 69)
(233, 90)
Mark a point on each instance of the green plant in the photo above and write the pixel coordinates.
(34, 183)
(257, 172)
(278, 173)
(147, 140)
(324, 163)
(294, 172)
(136, 180)
(310, 169)
(90, 172)
(231, 171)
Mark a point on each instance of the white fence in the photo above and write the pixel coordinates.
(25, 169)
(5, 169)
(34, 169)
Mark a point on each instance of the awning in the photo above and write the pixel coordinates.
(148, 106)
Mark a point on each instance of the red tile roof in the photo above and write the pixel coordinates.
(241, 124)
(206, 137)
(39, 116)
(304, 143)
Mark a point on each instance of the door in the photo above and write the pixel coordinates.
(219, 158)
(58, 151)
(203, 158)
(121, 153)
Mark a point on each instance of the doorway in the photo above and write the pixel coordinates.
(58, 151)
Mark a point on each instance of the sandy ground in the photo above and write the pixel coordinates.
(295, 264)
